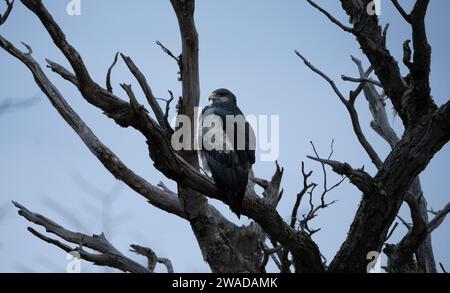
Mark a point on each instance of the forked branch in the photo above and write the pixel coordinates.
(152, 258)
(349, 105)
(106, 254)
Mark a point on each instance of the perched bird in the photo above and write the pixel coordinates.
(227, 146)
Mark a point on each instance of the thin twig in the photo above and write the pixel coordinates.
(391, 232)
(402, 12)
(300, 195)
(330, 17)
(108, 75)
(324, 76)
(360, 79)
(267, 253)
(349, 104)
(168, 52)
(177, 59)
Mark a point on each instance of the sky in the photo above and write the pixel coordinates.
(246, 46)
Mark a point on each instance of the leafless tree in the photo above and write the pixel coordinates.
(225, 246)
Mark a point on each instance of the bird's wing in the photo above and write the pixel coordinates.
(243, 141)
(229, 166)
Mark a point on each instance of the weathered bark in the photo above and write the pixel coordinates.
(381, 125)
(400, 256)
(409, 103)
(422, 139)
(105, 253)
(377, 211)
(216, 242)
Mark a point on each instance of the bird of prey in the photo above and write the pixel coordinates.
(227, 146)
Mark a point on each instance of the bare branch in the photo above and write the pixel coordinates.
(263, 183)
(371, 39)
(349, 104)
(148, 93)
(275, 256)
(420, 100)
(324, 76)
(330, 17)
(401, 254)
(137, 108)
(439, 218)
(442, 268)
(272, 193)
(168, 52)
(402, 12)
(152, 258)
(362, 138)
(108, 254)
(385, 31)
(63, 72)
(267, 253)
(166, 113)
(177, 59)
(112, 106)
(9, 7)
(190, 74)
(358, 177)
(309, 189)
(108, 75)
(407, 53)
(28, 47)
(392, 231)
(380, 123)
(306, 187)
(355, 93)
(326, 189)
(361, 79)
(405, 223)
(411, 101)
(156, 196)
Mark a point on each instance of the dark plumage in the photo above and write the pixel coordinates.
(229, 167)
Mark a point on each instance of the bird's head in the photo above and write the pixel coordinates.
(222, 96)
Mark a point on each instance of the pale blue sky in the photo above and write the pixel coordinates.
(246, 46)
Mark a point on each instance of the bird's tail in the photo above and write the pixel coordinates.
(235, 201)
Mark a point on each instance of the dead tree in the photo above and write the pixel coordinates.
(225, 246)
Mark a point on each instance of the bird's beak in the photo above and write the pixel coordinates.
(213, 97)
